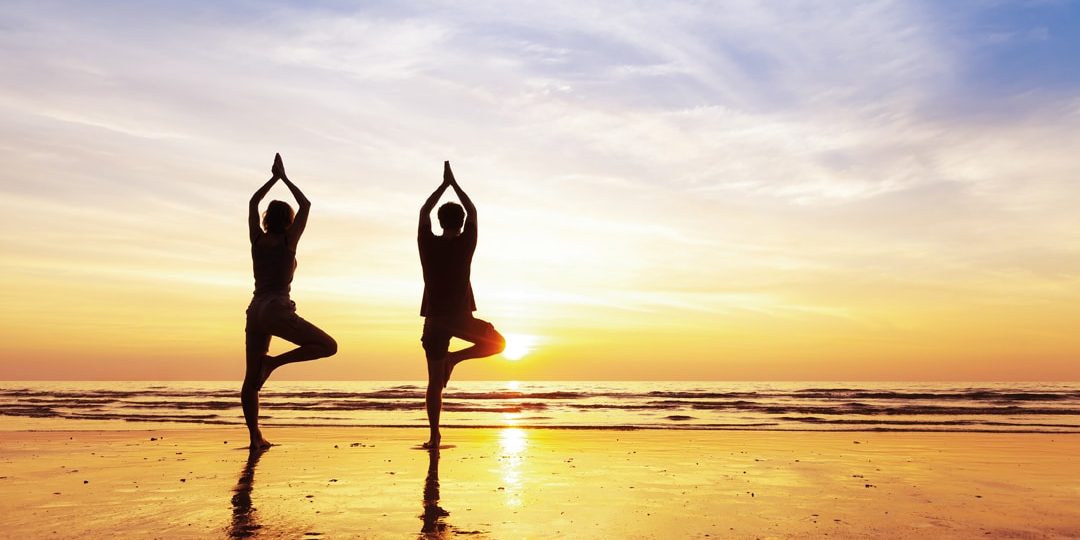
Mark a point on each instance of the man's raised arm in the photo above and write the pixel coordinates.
(429, 205)
(470, 208)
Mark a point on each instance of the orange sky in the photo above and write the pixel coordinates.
(652, 205)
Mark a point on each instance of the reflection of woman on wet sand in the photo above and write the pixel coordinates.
(272, 312)
(434, 527)
(244, 523)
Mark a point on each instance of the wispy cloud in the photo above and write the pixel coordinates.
(676, 161)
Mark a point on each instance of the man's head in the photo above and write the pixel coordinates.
(451, 217)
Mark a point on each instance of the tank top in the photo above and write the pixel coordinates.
(273, 265)
(447, 266)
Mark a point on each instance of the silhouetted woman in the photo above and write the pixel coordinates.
(272, 313)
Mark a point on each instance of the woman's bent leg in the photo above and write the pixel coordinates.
(312, 343)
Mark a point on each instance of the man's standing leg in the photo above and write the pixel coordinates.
(435, 346)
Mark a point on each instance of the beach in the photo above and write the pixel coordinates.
(538, 483)
(656, 270)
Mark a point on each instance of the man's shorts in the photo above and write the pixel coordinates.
(439, 330)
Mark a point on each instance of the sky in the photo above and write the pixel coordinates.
(666, 190)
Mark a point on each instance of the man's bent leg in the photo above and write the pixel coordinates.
(486, 341)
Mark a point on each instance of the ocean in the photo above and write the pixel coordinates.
(797, 406)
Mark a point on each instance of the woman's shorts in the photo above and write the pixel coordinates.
(275, 315)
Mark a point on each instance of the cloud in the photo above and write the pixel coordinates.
(649, 158)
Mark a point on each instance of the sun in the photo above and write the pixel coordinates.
(518, 345)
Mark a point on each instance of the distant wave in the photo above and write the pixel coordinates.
(1012, 407)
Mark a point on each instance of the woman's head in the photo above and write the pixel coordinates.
(277, 217)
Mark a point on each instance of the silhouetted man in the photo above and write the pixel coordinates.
(448, 298)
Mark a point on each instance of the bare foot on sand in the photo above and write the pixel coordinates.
(432, 444)
(260, 444)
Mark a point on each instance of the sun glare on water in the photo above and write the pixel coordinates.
(518, 345)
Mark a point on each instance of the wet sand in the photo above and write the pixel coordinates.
(512, 483)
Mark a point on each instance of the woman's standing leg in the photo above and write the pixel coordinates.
(256, 345)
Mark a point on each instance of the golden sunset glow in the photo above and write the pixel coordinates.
(518, 345)
(878, 199)
(786, 269)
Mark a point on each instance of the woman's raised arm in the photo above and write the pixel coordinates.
(254, 226)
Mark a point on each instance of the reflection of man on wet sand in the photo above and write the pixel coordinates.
(448, 303)
(434, 527)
